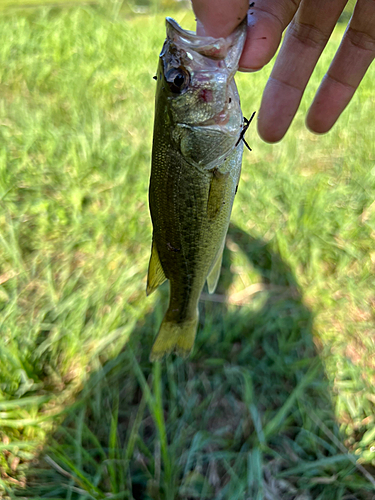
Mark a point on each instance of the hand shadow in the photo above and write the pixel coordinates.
(247, 416)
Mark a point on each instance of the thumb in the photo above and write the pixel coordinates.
(219, 17)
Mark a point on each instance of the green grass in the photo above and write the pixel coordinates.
(277, 400)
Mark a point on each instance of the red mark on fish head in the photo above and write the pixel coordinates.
(205, 95)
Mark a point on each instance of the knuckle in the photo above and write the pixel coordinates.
(361, 40)
(308, 34)
(281, 11)
(339, 82)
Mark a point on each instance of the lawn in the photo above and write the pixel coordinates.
(277, 400)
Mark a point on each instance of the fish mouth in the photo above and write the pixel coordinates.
(214, 48)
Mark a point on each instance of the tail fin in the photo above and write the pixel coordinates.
(173, 336)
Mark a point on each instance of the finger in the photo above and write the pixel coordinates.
(266, 20)
(304, 41)
(220, 17)
(355, 54)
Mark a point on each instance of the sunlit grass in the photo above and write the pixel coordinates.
(281, 381)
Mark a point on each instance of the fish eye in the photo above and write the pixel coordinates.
(178, 80)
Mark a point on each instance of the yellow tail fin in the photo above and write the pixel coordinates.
(172, 336)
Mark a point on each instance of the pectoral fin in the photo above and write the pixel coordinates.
(216, 196)
(156, 275)
(214, 274)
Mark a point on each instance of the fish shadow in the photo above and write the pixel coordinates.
(249, 415)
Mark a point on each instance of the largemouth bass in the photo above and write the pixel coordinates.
(196, 164)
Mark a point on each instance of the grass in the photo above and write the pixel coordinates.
(277, 400)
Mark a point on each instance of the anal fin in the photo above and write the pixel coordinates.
(156, 275)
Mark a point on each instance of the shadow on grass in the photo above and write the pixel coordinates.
(248, 416)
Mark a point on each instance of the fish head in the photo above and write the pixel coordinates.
(197, 88)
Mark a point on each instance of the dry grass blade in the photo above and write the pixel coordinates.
(7, 276)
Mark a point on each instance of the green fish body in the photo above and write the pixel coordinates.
(196, 164)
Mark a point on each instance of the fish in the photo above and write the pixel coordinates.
(196, 165)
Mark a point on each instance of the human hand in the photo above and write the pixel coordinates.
(311, 23)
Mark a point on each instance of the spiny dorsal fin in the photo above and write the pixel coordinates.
(156, 275)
